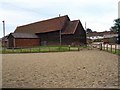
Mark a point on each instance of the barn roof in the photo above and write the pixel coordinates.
(5, 37)
(71, 27)
(49, 25)
(23, 35)
(59, 23)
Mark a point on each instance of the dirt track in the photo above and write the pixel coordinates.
(87, 68)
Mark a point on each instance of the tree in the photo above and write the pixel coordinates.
(88, 30)
(116, 28)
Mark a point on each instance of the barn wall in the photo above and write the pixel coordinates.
(80, 32)
(78, 38)
(4, 43)
(27, 42)
(10, 41)
(112, 40)
(68, 39)
(51, 38)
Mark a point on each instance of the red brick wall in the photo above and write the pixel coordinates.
(106, 40)
(27, 42)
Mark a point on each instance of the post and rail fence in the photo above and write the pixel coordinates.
(113, 48)
(42, 49)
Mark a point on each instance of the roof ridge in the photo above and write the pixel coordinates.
(44, 20)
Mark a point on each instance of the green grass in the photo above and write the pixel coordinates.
(116, 52)
(113, 51)
(51, 49)
(42, 49)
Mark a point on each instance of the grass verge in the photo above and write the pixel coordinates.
(43, 49)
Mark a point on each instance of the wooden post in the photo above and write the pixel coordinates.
(60, 33)
(59, 48)
(14, 42)
(21, 49)
(49, 49)
(39, 49)
(30, 50)
(111, 47)
(69, 47)
(103, 46)
(13, 49)
(115, 48)
(3, 35)
(107, 47)
(100, 46)
(78, 48)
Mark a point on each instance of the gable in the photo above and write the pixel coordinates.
(80, 30)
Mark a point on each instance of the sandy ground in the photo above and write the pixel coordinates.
(86, 68)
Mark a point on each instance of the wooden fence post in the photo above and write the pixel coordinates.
(115, 48)
(49, 49)
(21, 49)
(78, 48)
(107, 47)
(103, 46)
(30, 49)
(100, 46)
(69, 47)
(111, 47)
(59, 48)
(13, 49)
(39, 49)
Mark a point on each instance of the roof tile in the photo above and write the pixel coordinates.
(49, 25)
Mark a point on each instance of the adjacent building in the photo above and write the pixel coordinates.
(105, 36)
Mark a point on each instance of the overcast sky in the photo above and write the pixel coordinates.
(98, 14)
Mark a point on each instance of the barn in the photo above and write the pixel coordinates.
(55, 31)
(23, 40)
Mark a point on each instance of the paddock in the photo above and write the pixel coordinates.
(79, 69)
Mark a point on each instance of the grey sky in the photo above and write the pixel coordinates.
(99, 14)
(119, 9)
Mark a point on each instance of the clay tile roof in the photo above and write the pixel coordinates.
(71, 27)
(23, 35)
(101, 33)
(49, 25)
(5, 37)
(95, 34)
(109, 32)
